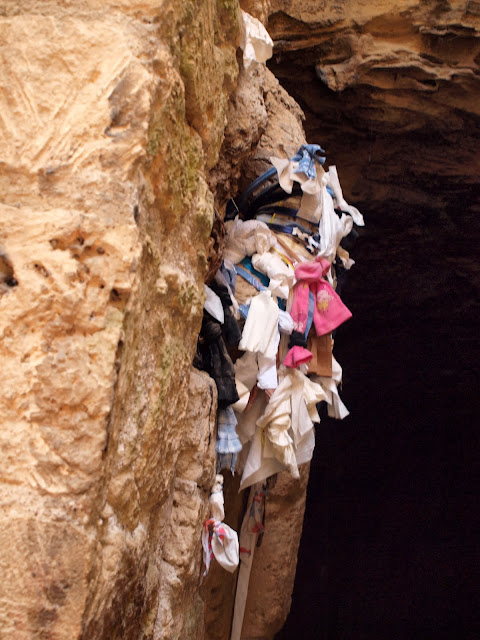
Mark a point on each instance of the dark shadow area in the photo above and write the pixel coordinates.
(390, 546)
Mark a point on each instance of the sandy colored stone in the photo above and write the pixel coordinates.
(111, 115)
(404, 80)
(284, 134)
(275, 561)
(400, 48)
(259, 9)
(246, 123)
(122, 125)
(180, 607)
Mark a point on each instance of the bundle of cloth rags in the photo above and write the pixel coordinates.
(271, 314)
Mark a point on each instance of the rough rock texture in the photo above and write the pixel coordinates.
(275, 561)
(263, 120)
(388, 91)
(111, 115)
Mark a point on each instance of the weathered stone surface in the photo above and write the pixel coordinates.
(112, 114)
(259, 9)
(181, 610)
(388, 90)
(275, 561)
(246, 122)
(284, 133)
(112, 121)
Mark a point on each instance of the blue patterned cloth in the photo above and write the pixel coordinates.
(228, 443)
(307, 155)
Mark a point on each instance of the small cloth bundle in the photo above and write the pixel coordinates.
(284, 435)
(329, 312)
(219, 541)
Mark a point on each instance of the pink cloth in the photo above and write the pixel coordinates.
(329, 312)
(299, 310)
(297, 356)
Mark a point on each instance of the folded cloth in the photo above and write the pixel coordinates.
(334, 183)
(216, 500)
(218, 539)
(228, 271)
(227, 277)
(296, 356)
(256, 368)
(284, 436)
(329, 311)
(261, 327)
(267, 367)
(318, 207)
(224, 545)
(285, 322)
(244, 238)
(244, 393)
(288, 173)
(256, 43)
(306, 394)
(281, 275)
(213, 305)
(275, 424)
(311, 154)
(332, 228)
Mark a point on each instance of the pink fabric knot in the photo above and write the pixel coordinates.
(297, 356)
(329, 311)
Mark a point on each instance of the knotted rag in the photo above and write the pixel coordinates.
(329, 311)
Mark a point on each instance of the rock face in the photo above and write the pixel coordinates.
(122, 125)
(112, 115)
(388, 91)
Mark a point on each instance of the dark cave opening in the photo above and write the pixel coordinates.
(390, 542)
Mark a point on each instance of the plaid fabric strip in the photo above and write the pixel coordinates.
(227, 438)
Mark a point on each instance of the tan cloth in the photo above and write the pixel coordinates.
(321, 348)
(244, 238)
(286, 176)
(281, 275)
(244, 290)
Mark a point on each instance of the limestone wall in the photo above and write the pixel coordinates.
(112, 113)
(123, 122)
(390, 90)
(113, 116)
